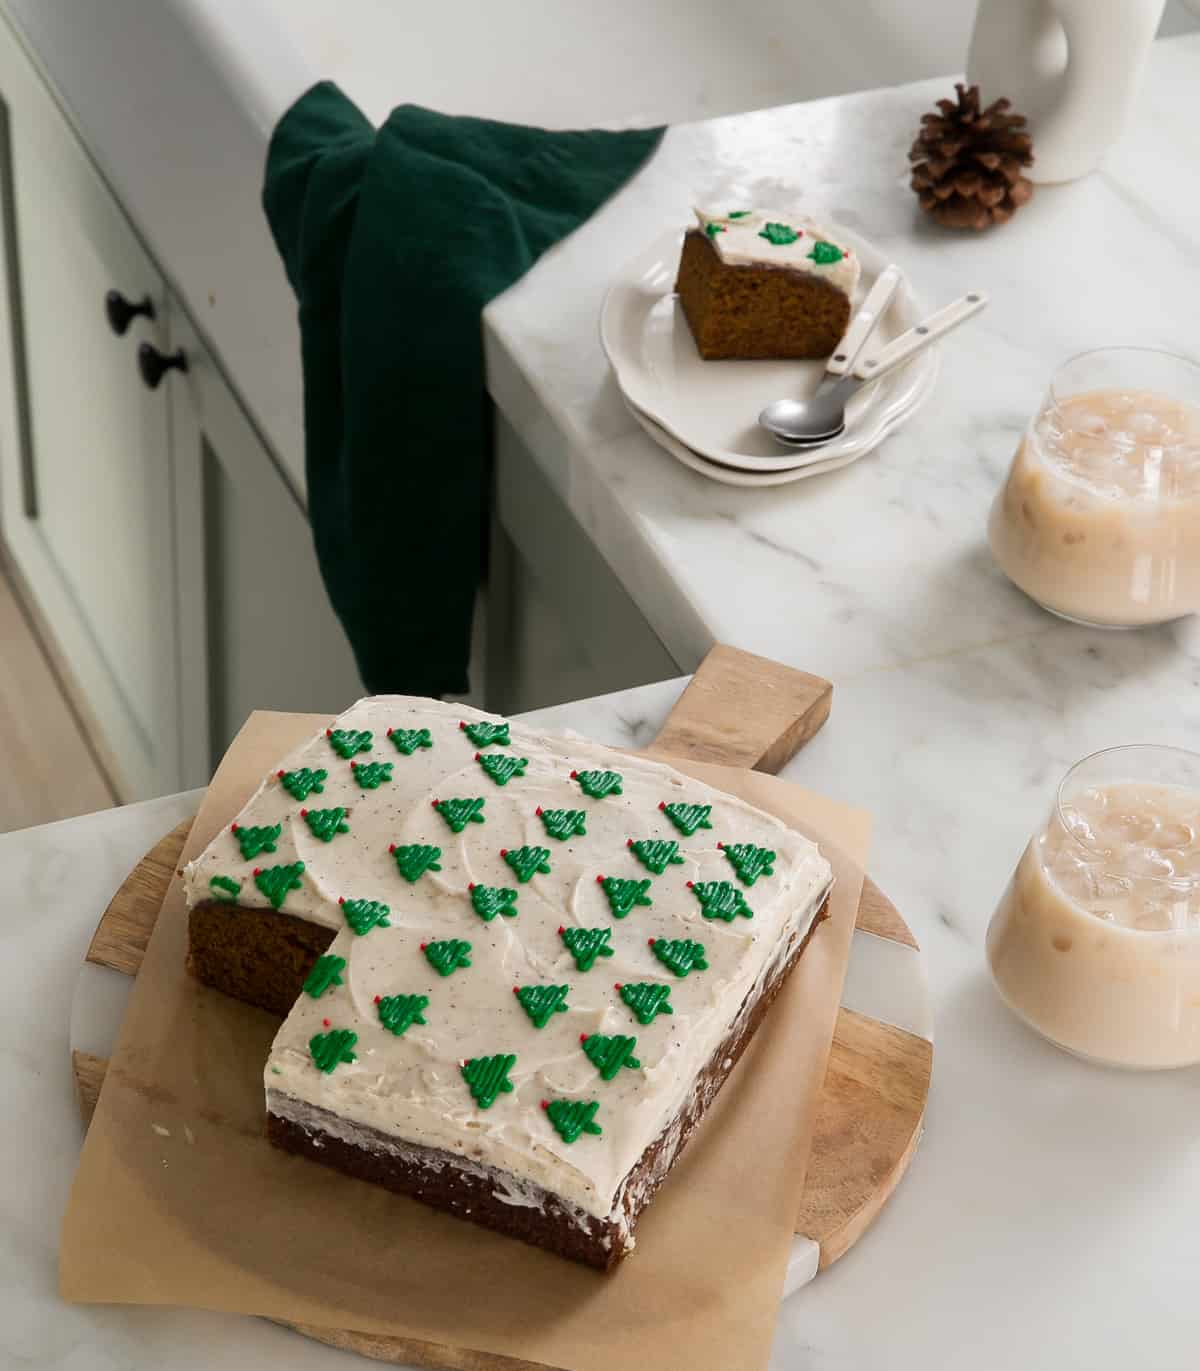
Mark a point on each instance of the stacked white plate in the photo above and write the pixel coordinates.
(705, 414)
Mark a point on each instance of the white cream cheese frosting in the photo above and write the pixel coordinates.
(411, 1088)
(775, 238)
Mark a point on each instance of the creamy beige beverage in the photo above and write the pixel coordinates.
(1099, 519)
(1096, 942)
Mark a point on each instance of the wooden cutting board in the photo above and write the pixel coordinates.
(738, 710)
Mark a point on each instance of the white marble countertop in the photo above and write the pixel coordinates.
(1049, 1215)
(884, 562)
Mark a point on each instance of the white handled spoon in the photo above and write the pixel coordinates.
(822, 417)
(862, 326)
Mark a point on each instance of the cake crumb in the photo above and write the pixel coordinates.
(160, 1130)
(188, 1135)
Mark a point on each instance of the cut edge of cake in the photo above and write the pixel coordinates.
(761, 285)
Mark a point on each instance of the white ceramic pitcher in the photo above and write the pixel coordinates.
(1072, 67)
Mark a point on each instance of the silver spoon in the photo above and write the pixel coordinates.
(822, 417)
(856, 337)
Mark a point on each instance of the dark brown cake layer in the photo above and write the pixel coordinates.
(756, 311)
(258, 955)
(439, 1179)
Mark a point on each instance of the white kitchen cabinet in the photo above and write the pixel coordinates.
(170, 560)
(560, 625)
(85, 470)
(256, 627)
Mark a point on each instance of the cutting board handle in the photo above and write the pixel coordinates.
(743, 710)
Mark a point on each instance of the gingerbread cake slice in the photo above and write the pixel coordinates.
(764, 284)
(520, 966)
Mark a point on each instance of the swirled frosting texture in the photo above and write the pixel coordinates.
(411, 1087)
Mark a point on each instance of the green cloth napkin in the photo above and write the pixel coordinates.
(394, 240)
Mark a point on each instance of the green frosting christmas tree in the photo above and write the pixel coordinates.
(348, 741)
(459, 813)
(326, 824)
(586, 944)
(397, 1013)
(300, 784)
(624, 893)
(225, 888)
(656, 854)
(825, 254)
(646, 999)
(330, 1050)
(563, 823)
(572, 1117)
(720, 900)
(253, 840)
(275, 882)
(750, 862)
(371, 775)
(687, 818)
(598, 784)
(778, 235)
(413, 860)
(609, 1054)
(679, 955)
(407, 740)
(490, 900)
(542, 1002)
(447, 955)
(500, 767)
(527, 861)
(485, 734)
(364, 915)
(487, 1077)
(327, 971)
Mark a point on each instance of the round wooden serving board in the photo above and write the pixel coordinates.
(877, 1080)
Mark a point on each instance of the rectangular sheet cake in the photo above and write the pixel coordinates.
(516, 967)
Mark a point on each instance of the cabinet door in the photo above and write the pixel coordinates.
(257, 630)
(86, 493)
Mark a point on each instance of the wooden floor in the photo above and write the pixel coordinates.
(48, 770)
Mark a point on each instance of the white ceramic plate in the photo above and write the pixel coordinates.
(729, 475)
(733, 476)
(712, 407)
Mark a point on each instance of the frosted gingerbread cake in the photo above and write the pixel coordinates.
(760, 283)
(516, 967)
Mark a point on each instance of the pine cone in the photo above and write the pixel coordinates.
(967, 162)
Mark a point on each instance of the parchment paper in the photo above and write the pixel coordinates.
(180, 1200)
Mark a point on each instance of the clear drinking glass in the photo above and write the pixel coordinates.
(1099, 519)
(1096, 940)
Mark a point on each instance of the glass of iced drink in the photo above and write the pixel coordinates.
(1099, 519)
(1096, 940)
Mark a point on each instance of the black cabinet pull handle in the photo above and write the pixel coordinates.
(121, 312)
(154, 364)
